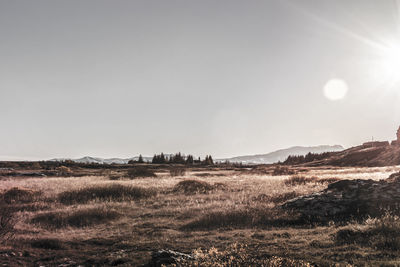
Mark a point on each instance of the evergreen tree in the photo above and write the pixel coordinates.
(162, 158)
(189, 160)
(140, 160)
(155, 159)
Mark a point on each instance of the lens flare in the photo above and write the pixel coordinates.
(335, 89)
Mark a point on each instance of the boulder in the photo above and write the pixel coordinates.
(167, 257)
(349, 199)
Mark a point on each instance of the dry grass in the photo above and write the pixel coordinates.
(46, 243)
(302, 180)
(246, 217)
(95, 222)
(138, 172)
(381, 233)
(193, 187)
(236, 255)
(177, 171)
(76, 218)
(6, 222)
(17, 195)
(114, 192)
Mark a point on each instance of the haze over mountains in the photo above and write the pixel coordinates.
(272, 157)
(282, 154)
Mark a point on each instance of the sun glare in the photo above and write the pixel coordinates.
(335, 89)
(391, 64)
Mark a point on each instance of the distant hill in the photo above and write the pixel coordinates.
(363, 155)
(103, 161)
(282, 154)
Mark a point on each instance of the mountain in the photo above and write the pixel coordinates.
(282, 154)
(103, 161)
(279, 155)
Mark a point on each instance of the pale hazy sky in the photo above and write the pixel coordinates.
(119, 78)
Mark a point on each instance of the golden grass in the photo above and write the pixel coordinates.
(243, 212)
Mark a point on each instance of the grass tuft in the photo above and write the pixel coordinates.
(301, 180)
(140, 172)
(380, 233)
(6, 222)
(235, 255)
(177, 171)
(194, 187)
(246, 217)
(114, 192)
(77, 218)
(17, 195)
(47, 243)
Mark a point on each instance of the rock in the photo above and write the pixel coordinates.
(166, 257)
(349, 199)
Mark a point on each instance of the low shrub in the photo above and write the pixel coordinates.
(114, 192)
(209, 174)
(284, 197)
(299, 180)
(17, 195)
(63, 171)
(276, 199)
(47, 243)
(234, 255)
(177, 171)
(193, 187)
(6, 222)
(328, 180)
(246, 217)
(78, 218)
(139, 171)
(380, 233)
(282, 170)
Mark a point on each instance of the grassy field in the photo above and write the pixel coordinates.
(223, 216)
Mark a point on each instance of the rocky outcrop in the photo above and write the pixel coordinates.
(349, 199)
(167, 257)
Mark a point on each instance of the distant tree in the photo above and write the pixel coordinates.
(208, 160)
(159, 159)
(155, 159)
(162, 158)
(189, 160)
(140, 160)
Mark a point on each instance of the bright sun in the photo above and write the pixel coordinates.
(335, 89)
(390, 64)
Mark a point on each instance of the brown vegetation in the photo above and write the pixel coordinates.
(177, 171)
(302, 180)
(18, 195)
(6, 222)
(46, 243)
(381, 233)
(76, 218)
(114, 192)
(92, 221)
(196, 187)
(138, 172)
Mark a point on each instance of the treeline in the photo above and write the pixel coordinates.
(178, 158)
(309, 157)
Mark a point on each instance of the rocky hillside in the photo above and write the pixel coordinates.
(350, 199)
(364, 155)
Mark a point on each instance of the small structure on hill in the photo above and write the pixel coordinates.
(375, 144)
(396, 142)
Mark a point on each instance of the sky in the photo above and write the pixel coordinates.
(226, 78)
